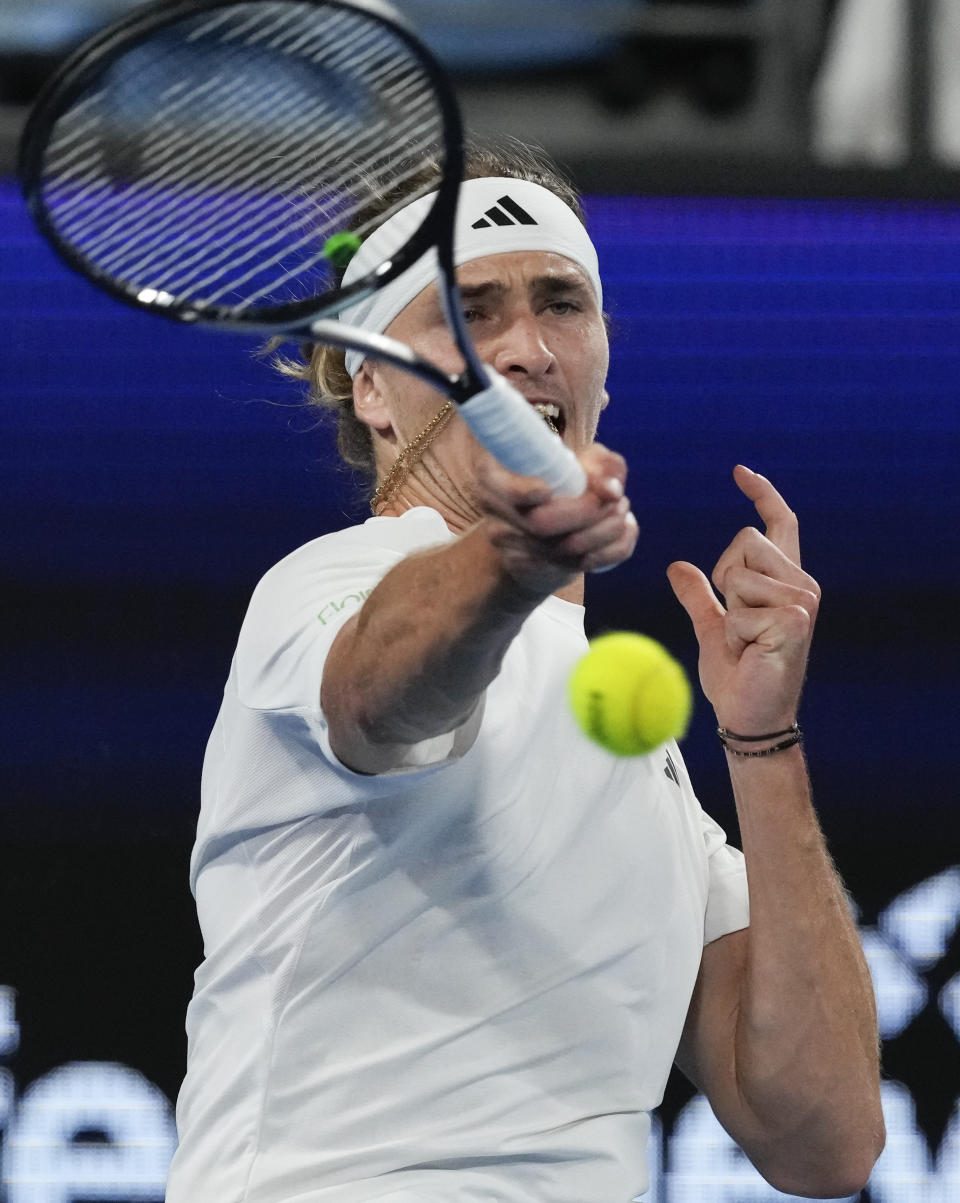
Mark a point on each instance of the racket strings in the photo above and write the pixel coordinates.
(248, 237)
(215, 184)
(229, 169)
(318, 256)
(163, 143)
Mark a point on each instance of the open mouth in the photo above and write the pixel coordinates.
(551, 415)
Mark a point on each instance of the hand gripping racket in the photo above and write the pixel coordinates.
(204, 159)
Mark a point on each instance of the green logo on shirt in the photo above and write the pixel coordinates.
(329, 610)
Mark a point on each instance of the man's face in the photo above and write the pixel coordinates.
(534, 317)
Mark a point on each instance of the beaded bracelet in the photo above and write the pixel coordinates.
(794, 733)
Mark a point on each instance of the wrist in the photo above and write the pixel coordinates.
(523, 580)
(751, 746)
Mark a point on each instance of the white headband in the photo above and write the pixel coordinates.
(494, 217)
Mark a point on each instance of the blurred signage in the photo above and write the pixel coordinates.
(96, 1132)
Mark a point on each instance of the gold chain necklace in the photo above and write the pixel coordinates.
(409, 456)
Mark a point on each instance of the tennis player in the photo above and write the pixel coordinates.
(451, 948)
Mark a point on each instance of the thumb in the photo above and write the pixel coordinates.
(693, 591)
(603, 468)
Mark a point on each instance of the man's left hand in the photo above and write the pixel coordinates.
(753, 649)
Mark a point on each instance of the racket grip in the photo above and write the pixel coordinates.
(512, 430)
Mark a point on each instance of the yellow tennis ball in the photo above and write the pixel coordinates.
(629, 694)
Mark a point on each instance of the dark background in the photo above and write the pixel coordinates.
(150, 473)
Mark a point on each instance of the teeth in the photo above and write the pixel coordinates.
(549, 413)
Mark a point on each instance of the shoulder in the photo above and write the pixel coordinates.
(419, 527)
(376, 543)
(301, 603)
(314, 588)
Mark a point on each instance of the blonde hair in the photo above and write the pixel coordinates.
(330, 391)
(321, 368)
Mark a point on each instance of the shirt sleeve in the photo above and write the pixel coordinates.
(728, 904)
(297, 611)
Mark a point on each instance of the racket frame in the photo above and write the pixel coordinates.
(296, 318)
(496, 413)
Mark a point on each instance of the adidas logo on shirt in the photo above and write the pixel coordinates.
(506, 212)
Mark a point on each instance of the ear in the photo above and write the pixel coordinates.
(369, 398)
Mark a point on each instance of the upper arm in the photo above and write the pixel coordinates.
(341, 703)
(708, 1048)
(707, 1051)
(348, 741)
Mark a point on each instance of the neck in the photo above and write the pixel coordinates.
(457, 510)
(393, 482)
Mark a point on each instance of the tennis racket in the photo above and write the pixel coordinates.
(206, 161)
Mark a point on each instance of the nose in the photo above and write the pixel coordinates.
(521, 349)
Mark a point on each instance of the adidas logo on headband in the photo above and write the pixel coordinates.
(515, 215)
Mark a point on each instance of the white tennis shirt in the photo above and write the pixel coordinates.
(463, 982)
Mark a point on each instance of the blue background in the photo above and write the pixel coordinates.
(152, 472)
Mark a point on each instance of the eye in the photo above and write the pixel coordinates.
(562, 308)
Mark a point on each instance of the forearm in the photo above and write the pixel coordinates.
(806, 1046)
(413, 662)
(782, 1030)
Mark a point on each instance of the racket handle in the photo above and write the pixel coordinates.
(512, 430)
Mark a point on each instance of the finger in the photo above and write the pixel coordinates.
(508, 491)
(780, 522)
(751, 549)
(557, 517)
(568, 516)
(606, 471)
(502, 491)
(775, 629)
(743, 586)
(607, 530)
(616, 552)
(692, 590)
(619, 544)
